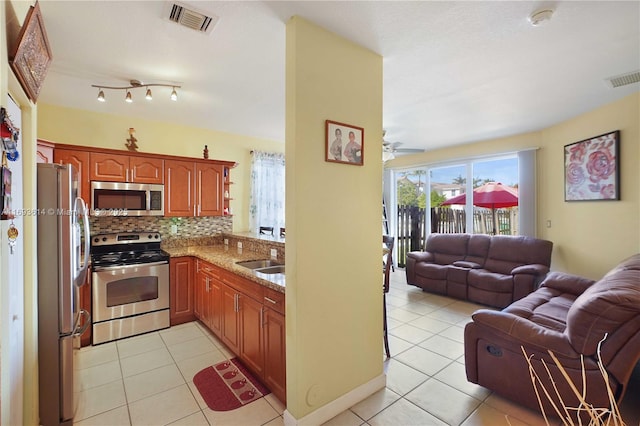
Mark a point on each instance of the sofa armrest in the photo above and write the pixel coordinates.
(567, 283)
(465, 264)
(524, 332)
(532, 269)
(421, 256)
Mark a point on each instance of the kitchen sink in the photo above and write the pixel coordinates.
(261, 264)
(279, 269)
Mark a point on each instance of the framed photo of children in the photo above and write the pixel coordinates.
(344, 143)
(592, 168)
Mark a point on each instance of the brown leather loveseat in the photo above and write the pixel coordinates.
(491, 270)
(568, 315)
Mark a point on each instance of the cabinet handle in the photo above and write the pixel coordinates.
(237, 302)
(268, 299)
(262, 316)
(127, 174)
(207, 284)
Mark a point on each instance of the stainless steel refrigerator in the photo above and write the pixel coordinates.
(62, 268)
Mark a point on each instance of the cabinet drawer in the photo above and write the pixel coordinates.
(274, 300)
(210, 270)
(251, 289)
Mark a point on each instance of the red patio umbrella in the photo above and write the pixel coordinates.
(491, 195)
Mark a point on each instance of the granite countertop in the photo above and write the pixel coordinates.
(226, 257)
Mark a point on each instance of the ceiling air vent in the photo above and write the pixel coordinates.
(624, 79)
(190, 17)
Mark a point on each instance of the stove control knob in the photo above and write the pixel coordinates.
(95, 240)
(157, 236)
(150, 236)
(104, 238)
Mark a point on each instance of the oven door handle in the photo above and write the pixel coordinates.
(120, 267)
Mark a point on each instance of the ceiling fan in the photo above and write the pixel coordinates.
(390, 149)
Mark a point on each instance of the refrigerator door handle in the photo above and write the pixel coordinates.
(82, 272)
(87, 322)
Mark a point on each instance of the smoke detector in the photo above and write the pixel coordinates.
(539, 16)
(190, 17)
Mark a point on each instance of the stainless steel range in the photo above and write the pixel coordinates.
(130, 283)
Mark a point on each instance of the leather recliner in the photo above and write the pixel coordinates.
(491, 270)
(570, 316)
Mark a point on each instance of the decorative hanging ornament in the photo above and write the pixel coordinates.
(12, 234)
(9, 135)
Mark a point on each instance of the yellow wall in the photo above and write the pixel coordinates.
(590, 237)
(334, 313)
(80, 127)
(12, 16)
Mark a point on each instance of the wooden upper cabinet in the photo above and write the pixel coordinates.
(80, 161)
(179, 188)
(209, 182)
(146, 170)
(44, 152)
(123, 168)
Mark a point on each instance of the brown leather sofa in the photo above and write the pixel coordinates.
(568, 315)
(491, 270)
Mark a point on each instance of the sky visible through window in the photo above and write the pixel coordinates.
(504, 170)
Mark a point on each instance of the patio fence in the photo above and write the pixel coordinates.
(411, 230)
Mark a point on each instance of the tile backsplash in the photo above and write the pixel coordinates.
(188, 227)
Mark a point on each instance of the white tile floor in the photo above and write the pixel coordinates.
(147, 380)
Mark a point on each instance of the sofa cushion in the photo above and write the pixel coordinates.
(605, 306)
(431, 270)
(447, 248)
(490, 281)
(546, 307)
(478, 248)
(508, 252)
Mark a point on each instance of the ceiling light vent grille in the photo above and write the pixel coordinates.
(190, 17)
(624, 79)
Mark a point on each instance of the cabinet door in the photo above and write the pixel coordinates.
(275, 356)
(179, 189)
(251, 344)
(215, 306)
(79, 160)
(109, 167)
(209, 192)
(199, 293)
(181, 290)
(146, 170)
(230, 325)
(44, 152)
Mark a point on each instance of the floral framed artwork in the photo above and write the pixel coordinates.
(344, 143)
(592, 168)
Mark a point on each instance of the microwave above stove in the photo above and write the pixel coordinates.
(126, 199)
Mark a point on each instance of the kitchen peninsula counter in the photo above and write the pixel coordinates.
(226, 256)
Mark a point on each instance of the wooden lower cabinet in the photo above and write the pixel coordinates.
(248, 318)
(275, 360)
(181, 292)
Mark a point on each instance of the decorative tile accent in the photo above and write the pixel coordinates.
(188, 227)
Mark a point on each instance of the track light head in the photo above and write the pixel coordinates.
(174, 95)
(148, 96)
(128, 97)
(101, 96)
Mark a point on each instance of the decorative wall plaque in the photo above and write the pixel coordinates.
(32, 57)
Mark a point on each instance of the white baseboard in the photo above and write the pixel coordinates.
(337, 406)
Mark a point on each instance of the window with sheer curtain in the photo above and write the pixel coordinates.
(266, 202)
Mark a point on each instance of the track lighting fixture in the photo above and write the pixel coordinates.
(134, 84)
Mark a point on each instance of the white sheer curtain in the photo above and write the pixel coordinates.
(266, 203)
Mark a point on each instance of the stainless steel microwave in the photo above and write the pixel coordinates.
(127, 199)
